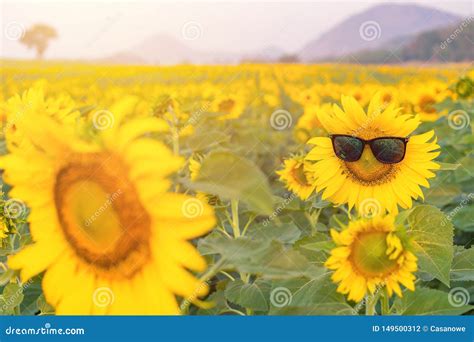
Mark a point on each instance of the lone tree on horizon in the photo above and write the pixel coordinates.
(38, 37)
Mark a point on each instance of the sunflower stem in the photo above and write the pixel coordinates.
(385, 303)
(370, 304)
(251, 218)
(235, 226)
(235, 217)
(203, 279)
(175, 141)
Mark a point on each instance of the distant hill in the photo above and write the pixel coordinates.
(166, 50)
(369, 35)
(375, 27)
(450, 44)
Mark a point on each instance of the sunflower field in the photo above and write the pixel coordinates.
(236, 190)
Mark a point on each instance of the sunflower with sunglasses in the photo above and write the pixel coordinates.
(370, 157)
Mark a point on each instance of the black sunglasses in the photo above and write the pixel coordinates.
(387, 150)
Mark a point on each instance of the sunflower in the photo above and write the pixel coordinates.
(195, 163)
(61, 108)
(102, 220)
(229, 106)
(389, 95)
(296, 178)
(424, 99)
(367, 180)
(307, 97)
(3, 231)
(371, 254)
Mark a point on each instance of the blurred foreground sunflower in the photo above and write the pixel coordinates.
(367, 180)
(102, 220)
(296, 178)
(371, 254)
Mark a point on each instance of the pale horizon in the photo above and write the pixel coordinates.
(98, 29)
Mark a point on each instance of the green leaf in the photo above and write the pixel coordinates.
(319, 203)
(317, 242)
(252, 296)
(230, 176)
(304, 296)
(432, 238)
(205, 139)
(43, 306)
(305, 247)
(442, 194)
(402, 216)
(448, 166)
(231, 249)
(286, 232)
(31, 291)
(338, 221)
(463, 218)
(425, 301)
(269, 258)
(287, 203)
(5, 276)
(463, 266)
(220, 304)
(278, 262)
(12, 295)
(465, 172)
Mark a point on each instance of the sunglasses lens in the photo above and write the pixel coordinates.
(347, 148)
(388, 150)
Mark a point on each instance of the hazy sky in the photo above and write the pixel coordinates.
(90, 29)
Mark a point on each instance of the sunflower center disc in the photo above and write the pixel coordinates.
(369, 254)
(427, 104)
(368, 170)
(101, 215)
(226, 106)
(299, 175)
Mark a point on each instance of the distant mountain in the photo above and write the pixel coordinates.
(166, 50)
(375, 27)
(267, 54)
(450, 44)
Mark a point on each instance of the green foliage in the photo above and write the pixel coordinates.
(222, 173)
(425, 301)
(431, 236)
